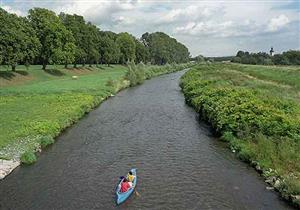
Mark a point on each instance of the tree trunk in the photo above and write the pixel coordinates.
(13, 67)
(66, 65)
(44, 64)
(75, 65)
(90, 65)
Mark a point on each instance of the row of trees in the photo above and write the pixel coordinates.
(291, 57)
(46, 38)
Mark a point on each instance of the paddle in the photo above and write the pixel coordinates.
(137, 193)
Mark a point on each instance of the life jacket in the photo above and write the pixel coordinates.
(124, 187)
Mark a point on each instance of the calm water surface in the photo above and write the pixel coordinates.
(180, 164)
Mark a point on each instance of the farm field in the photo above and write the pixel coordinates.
(256, 110)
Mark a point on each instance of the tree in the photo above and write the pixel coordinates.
(126, 44)
(76, 24)
(109, 50)
(164, 49)
(293, 56)
(236, 59)
(56, 40)
(18, 40)
(240, 54)
(92, 40)
(141, 52)
(198, 59)
(279, 59)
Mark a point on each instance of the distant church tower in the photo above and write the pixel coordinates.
(271, 51)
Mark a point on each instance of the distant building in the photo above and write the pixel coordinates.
(271, 51)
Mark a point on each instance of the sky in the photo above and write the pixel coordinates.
(209, 28)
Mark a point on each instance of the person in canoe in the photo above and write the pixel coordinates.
(125, 185)
(130, 176)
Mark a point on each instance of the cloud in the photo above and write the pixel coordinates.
(189, 13)
(99, 12)
(11, 10)
(278, 22)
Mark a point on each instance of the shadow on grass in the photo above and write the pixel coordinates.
(24, 73)
(54, 72)
(7, 75)
(100, 67)
(90, 68)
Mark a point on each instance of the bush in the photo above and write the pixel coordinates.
(257, 123)
(46, 140)
(133, 75)
(227, 136)
(136, 74)
(28, 158)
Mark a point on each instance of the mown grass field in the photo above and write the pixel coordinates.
(256, 109)
(38, 103)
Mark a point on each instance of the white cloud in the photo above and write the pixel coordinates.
(191, 12)
(99, 12)
(278, 22)
(11, 10)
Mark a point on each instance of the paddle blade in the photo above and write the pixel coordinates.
(137, 193)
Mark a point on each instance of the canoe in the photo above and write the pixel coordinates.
(121, 197)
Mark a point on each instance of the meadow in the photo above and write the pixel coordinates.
(42, 103)
(256, 110)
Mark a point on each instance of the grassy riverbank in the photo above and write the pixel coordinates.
(256, 110)
(36, 105)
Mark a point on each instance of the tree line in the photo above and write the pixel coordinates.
(46, 38)
(291, 57)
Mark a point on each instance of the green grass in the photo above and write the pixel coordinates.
(49, 103)
(256, 110)
(282, 75)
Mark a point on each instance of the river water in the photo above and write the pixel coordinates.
(180, 164)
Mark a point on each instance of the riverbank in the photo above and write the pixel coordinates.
(33, 112)
(256, 110)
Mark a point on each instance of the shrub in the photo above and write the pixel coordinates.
(46, 140)
(227, 136)
(28, 158)
(259, 124)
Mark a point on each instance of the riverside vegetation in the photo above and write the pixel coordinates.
(33, 113)
(256, 110)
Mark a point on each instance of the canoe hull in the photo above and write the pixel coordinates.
(122, 197)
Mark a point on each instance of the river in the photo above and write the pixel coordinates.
(180, 164)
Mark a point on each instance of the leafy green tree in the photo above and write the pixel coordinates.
(76, 24)
(126, 44)
(293, 56)
(236, 59)
(109, 50)
(240, 54)
(18, 41)
(56, 40)
(92, 40)
(279, 59)
(141, 52)
(164, 49)
(198, 59)
(66, 54)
